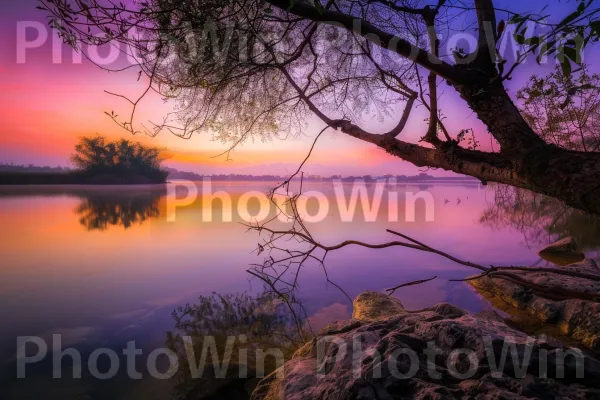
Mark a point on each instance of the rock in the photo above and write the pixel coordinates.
(372, 306)
(567, 244)
(575, 318)
(580, 320)
(303, 351)
(587, 266)
(448, 310)
(489, 315)
(388, 359)
(519, 297)
(562, 252)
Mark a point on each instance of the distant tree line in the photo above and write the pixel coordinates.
(191, 176)
(11, 167)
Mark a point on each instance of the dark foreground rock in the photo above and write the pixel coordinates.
(437, 353)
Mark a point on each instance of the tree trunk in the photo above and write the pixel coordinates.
(494, 107)
(573, 177)
(570, 176)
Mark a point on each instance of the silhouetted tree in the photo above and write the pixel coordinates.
(97, 156)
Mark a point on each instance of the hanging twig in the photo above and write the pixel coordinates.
(392, 290)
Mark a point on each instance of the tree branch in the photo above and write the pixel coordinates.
(434, 44)
(370, 32)
(419, 282)
(486, 21)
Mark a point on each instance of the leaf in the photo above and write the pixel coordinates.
(565, 64)
(534, 40)
(572, 54)
(520, 39)
(517, 19)
(595, 25)
(319, 7)
(571, 17)
(501, 27)
(543, 50)
(521, 23)
(573, 90)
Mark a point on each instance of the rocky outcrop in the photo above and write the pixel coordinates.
(575, 318)
(437, 353)
(563, 252)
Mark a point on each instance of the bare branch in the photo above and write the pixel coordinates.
(419, 282)
(305, 245)
(369, 31)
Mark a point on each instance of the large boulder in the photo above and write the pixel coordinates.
(577, 319)
(562, 252)
(371, 306)
(437, 353)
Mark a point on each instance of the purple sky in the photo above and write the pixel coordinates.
(47, 105)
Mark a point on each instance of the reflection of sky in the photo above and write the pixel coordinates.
(104, 288)
(46, 106)
(55, 272)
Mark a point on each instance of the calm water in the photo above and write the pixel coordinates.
(103, 266)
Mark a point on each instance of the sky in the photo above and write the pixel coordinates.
(50, 99)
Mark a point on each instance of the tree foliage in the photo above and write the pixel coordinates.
(97, 156)
(564, 110)
(566, 39)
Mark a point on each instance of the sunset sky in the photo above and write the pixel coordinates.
(46, 106)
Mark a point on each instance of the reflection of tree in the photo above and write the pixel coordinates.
(266, 322)
(99, 211)
(540, 219)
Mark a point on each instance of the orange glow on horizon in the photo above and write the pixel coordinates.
(47, 107)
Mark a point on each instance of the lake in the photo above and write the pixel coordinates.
(102, 266)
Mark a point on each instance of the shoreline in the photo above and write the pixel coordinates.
(75, 179)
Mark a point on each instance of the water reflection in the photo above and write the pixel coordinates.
(101, 207)
(540, 219)
(241, 327)
(61, 278)
(100, 211)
